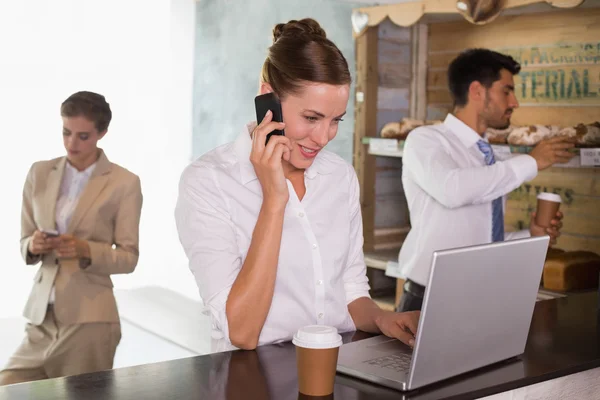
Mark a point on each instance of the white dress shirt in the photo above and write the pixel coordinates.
(450, 189)
(321, 265)
(72, 184)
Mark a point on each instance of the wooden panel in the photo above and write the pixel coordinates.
(560, 85)
(390, 32)
(567, 26)
(548, 85)
(394, 64)
(559, 52)
(365, 125)
(393, 103)
(393, 98)
(391, 211)
(562, 116)
(394, 75)
(531, 56)
(438, 112)
(390, 238)
(386, 116)
(419, 67)
(391, 208)
(580, 192)
(389, 176)
(438, 96)
(379, 259)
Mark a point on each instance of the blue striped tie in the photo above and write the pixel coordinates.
(497, 213)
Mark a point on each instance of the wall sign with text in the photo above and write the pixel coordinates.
(558, 74)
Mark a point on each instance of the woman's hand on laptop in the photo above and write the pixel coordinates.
(401, 326)
(368, 317)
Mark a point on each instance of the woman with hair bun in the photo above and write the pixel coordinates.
(273, 230)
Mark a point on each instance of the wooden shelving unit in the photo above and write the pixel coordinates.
(401, 68)
(398, 151)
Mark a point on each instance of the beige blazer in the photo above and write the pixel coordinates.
(107, 216)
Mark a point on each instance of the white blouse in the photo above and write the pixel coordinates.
(321, 265)
(72, 184)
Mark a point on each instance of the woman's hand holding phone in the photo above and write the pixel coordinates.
(40, 243)
(267, 161)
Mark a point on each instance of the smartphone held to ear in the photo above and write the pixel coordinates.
(264, 103)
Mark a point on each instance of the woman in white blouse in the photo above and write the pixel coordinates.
(273, 232)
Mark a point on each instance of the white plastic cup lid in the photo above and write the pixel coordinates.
(317, 337)
(549, 197)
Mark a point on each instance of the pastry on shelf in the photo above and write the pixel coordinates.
(393, 130)
(400, 130)
(530, 135)
(498, 136)
(554, 130)
(584, 135)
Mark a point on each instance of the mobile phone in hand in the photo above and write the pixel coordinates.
(50, 232)
(264, 103)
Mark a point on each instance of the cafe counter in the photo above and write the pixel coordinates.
(563, 343)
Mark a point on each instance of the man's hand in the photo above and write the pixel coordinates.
(553, 230)
(552, 151)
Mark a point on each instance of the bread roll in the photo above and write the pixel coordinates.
(584, 135)
(552, 253)
(572, 270)
(392, 130)
(499, 136)
(529, 135)
(588, 135)
(400, 130)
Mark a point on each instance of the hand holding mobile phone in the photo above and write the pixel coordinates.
(50, 233)
(264, 103)
(273, 153)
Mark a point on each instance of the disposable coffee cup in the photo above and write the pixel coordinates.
(317, 349)
(547, 207)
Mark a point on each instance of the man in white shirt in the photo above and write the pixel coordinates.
(455, 188)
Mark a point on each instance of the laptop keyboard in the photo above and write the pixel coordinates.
(396, 362)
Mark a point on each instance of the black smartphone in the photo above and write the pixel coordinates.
(264, 103)
(50, 232)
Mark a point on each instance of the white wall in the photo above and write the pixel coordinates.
(139, 54)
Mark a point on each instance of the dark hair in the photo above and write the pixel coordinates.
(479, 65)
(91, 105)
(301, 53)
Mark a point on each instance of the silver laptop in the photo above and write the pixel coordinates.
(476, 311)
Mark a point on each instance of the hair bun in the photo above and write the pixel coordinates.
(304, 27)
